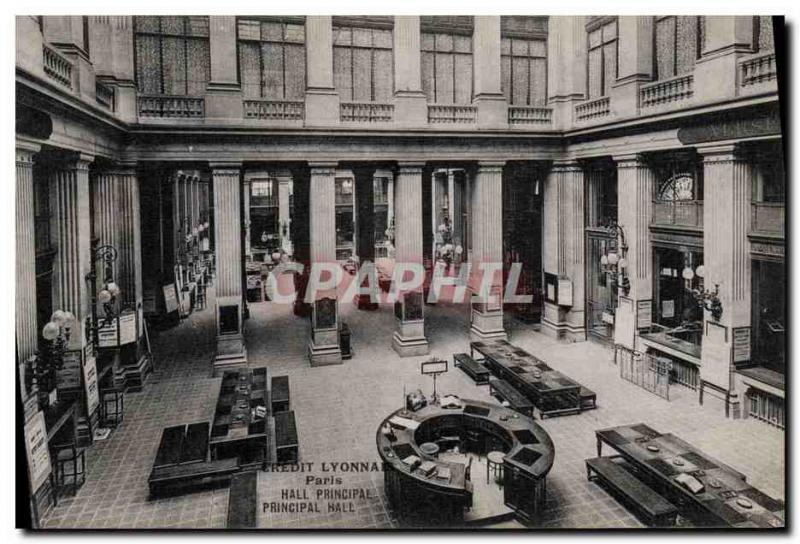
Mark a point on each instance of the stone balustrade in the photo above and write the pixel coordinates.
(593, 109)
(280, 110)
(666, 91)
(56, 66)
(758, 69)
(768, 218)
(366, 112)
(529, 115)
(452, 113)
(678, 213)
(166, 106)
(104, 95)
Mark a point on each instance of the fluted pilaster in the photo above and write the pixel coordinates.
(322, 203)
(227, 230)
(129, 237)
(408, 213)
(25, 300)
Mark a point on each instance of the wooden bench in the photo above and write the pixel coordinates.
(471, 368)
(280, 394)
(195, 443)
(505, 391)
(657, 510)
(176, 479)
(242, 501)
(286, 443)
(588, 398)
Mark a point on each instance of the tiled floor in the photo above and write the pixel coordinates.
(338, 409)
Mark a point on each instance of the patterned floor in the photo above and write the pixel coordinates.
(338, 409)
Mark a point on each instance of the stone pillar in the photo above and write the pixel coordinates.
(223, 94)
(727, 190)
(231, 350)
(635, 62)
(323, 346)
(566, 66)
(70, 194)
(284, 218)
(364, 175)
(322, 100)
(25, 293)
(248, 255)
(410, 104)
(489, 98)
(635, 194)
(716, 74)
(409, 337)
(487, 250)
(129, 236)
(564, 251)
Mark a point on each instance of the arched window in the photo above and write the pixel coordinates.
(680, 186)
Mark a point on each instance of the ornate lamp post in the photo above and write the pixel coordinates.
(50, 358)
(616, 264)
(107, 295)
(706, 299)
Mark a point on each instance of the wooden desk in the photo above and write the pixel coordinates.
(55, 417)
(663, 457)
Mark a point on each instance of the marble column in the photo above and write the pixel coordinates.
(410, 103)
(284, 219)
(70, 193)
(635, 192)
(489, 98)
(727, 190)
(231, 350)
(129, 236)
(322, 100)
(487, 251)
(25, 293)
(248, 255)
(564, 251)
(364, 175)
(409, 337)
(323, 346)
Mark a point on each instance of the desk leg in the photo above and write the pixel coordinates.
(701, 392)
(599, 447)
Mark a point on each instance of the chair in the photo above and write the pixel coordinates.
(69, 468)
(112, 407)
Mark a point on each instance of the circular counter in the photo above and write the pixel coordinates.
(425, 490)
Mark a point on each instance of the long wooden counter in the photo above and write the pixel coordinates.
(437, 491)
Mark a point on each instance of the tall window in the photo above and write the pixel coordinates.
(363, 64)
(172, 55)
(602, 58)
(680, 179)
(272, 59)
(678, 44)
(524, 71)
(765, 38)
(447, 68)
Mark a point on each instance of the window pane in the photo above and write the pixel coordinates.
(272, 55)
(362, 75)
(342, 73)
(665, 47)
(610, 68)
(520, 81)
(172, 25)
(426, 41)
(382, 71)
(148, 68)
(250, 68)
(295, 33)
(444, 79)
(249, 30)
(687, 44)
(609, 32)
(362, 37)
(295, 72)
(519, 47)
(197, 26)
(462, 44)
(594, 38)
(382, 38)
(538, 82)
(444, 43)
(428, 76)
(271, 31)
(198, 65)
(505, 46)
(538, 48)
(595, 66)
(463, 79)
(146, 24)
(505, 77)
(342, 36)
(174, 65)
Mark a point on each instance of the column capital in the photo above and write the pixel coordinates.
(720, 153)
(566, 165)
(629, 160)
(25, 149)
(323, 168)
(229, 168)
(410, 167)
(491, 166)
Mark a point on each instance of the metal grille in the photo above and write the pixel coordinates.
(766, 407)
(644, 370)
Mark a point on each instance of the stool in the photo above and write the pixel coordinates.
(112, 407)
(429, 448)
(494, 465)
(70, 468)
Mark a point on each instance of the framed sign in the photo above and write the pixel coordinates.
(564, 291)
(69, 377)
(434, 366)
(38, 452)
(325, 310)
(550, 288)
(413, 306)
(741, 344)
(170, 298)
(644, 314)
(119, 332)
(90, 383)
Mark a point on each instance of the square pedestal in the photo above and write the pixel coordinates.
(409, 339)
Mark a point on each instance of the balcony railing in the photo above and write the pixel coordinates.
(758, 69)
(278, 110)
(104, 95)
(593, 109)
(366, 112)
(767, 218)
(529, 115)
(56, 66)
(666, 91)
(678, 213)
(190, 107)
(451, 113)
